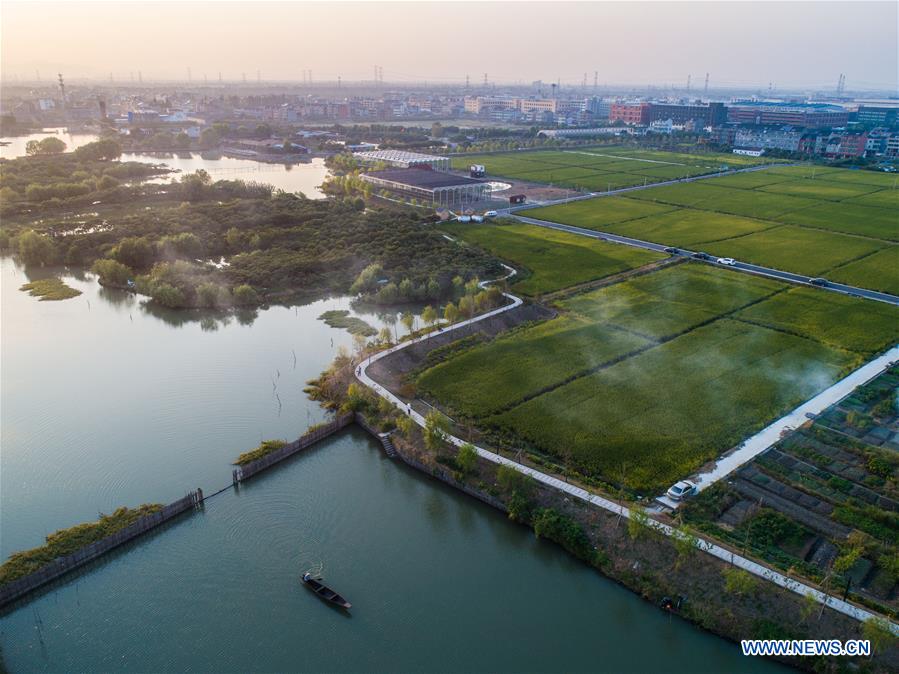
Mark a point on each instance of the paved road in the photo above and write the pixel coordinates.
(786, 276)
(704, 545)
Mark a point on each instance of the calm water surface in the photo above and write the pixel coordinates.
(106, 403)
(305, 178)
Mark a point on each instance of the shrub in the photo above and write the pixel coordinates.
(112, 272)
(738, 581)
(467, 458)
(245, 295)
(553, 525)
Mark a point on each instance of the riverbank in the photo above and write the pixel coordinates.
(630, 551)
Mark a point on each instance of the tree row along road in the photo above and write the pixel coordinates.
(704, 545)
(786, 276)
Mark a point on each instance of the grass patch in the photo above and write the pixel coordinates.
(597, 213)
(551, 260)
(688, 227)
(658, 416)
(52, 289)
(879, 271)
(265, 448)
(864, 326)
(796, 249)
(66, 541)
(488, 378)
(819, 189)
(340, 318)
(849, 218)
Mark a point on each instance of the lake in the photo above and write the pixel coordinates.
(107, 402)
(305, 178)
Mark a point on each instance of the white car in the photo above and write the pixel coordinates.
(681, 490)
(729, 261)
(490, 214)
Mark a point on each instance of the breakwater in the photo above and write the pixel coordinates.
(13, 590)
(308, 439)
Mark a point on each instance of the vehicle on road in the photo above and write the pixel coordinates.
(818, 281)
(672, 251)
(681, 490)
(702, 256)
(490, 214)
(729, 261)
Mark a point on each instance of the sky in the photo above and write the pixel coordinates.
(740, 44)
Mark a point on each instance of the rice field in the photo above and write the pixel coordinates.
(819, 221)
(602, 169)
(549, 260)
(642, 381)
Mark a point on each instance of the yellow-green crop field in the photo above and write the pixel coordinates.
(837, 223)
(643, 381)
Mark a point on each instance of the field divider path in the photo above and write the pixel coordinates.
(747, 267)
(704, 545)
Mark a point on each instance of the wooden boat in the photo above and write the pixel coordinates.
(324, 591)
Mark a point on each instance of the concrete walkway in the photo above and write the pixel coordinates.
(768, 436)
(704, 545)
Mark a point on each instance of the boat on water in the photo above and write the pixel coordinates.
(323, 591)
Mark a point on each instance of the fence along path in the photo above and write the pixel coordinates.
(18, 588)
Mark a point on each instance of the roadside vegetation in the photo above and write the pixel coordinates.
(67, 541)
(549, 260)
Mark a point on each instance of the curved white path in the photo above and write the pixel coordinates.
(752, 567)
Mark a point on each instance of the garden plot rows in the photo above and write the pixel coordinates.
(643, 381)
(830, 499)
(815, 221)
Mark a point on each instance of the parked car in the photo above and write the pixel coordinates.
(490, 214)
(818, 281)
(729, 261)
(681, 490)
(672, 251)
(702, 256)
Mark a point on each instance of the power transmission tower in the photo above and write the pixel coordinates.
(466, 82)
(220, 76)
(258, 77)
(140, 77)
(188, 75)
(244, 77)
(338, 81)
(705, 89)
(689, 77)
(595, 79)
(584, 81)
(485, 79)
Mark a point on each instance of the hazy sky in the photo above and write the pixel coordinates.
(740, 44)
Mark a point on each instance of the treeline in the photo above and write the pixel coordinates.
(49, 181)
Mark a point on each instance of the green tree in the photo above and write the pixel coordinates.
(36, 249)
(49, 145)
(136, 252)
(356, 398)
(245, 295)
(405, 425)
(436, 430)
(877, 630)
(385, 336)
(104, 149)
(738, 581)
(429, 315)
(408, 320)
(638, 525)
(450, 312)
(685, 542)
(466, 306)
(112, 272)
(467, 458)
(367, 279)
